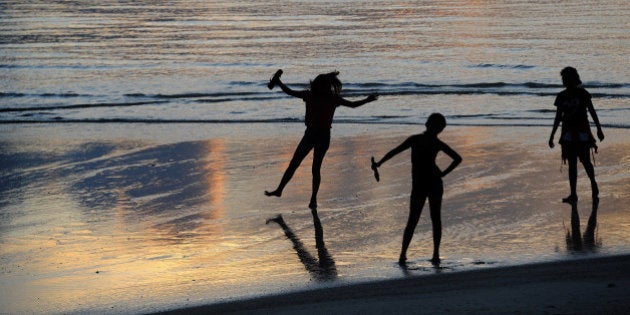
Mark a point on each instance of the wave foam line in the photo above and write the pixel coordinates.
(453, 122)
(26, 109)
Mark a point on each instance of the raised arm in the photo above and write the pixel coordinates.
(456, 159)
(591, 110)
(402, 147)
(556, 123)
(354, 104)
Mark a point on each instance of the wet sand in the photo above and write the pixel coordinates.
(579, 286)
(128, 218)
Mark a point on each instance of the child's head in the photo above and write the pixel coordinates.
(326, 84)
(570, 77)
(435, 123)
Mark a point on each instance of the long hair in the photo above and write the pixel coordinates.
(326, 85)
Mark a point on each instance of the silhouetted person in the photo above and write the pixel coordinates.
(426, 180)
(323, 268)
(321, 100)
(576, 138)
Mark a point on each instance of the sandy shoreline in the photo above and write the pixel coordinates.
(585, 286)
(115, 218)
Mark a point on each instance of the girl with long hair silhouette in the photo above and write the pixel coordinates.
(576, 138)
(321, 100)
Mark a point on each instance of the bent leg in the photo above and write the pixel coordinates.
(415, 209)
(303, 148)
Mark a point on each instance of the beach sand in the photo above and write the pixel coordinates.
(580, 286)
(143, 218)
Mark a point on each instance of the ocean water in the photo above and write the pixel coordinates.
(137, 137)
(479, 63)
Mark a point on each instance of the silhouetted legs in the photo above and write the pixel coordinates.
(323, 268)
(416, 204)
(577, 242)
(317, 140)
(574, 240)
(590, 171)
(572, 198)
(318, 159)
(303, 148)
(435, 205)
(415, 209)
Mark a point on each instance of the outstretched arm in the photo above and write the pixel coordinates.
(402, 147)
(456, 159)
(556, 123)
(591, 110)
(276, 81)
(289, 91)
(354, 104)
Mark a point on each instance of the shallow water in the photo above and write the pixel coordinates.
(157, 218)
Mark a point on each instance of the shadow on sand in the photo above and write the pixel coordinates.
(322, 268)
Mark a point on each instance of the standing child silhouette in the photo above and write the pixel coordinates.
(576, 138)
(426, 180)
(321, 100)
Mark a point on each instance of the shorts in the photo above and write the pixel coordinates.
(318, 138)
(576, 149)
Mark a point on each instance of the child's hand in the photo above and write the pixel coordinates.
(600, 135)
(551, 144)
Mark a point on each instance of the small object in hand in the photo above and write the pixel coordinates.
(275, 78)
(375, 169)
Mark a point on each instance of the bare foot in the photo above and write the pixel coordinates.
(436, 261)
(402, 261)
(273, 193)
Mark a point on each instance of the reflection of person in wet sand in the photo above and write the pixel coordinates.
(426, 180)
(575, 240)
(323, 268)
(576, 138)
(321, 100)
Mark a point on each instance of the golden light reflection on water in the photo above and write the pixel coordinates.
(220, 247)
(105, 252)
(216, 177)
